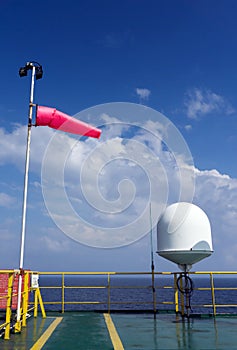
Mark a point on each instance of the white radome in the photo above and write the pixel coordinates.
(184, 234)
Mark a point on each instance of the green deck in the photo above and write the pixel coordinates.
(88, 331)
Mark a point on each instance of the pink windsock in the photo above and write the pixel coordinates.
(46, 116)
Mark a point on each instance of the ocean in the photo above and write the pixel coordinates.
(134, 294)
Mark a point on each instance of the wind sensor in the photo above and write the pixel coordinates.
(29, 66)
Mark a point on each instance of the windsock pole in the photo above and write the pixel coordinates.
(29, 66)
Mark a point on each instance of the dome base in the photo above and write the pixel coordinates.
(185, 257)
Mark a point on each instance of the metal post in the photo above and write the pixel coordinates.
(108, 302)
(63, 293)
(8, 306)
(25, 299)
(182, 298)
(27, 161)
(152, 267)
(36, 302)
(213, 294)
(176, 294)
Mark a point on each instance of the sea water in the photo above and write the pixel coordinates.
(133, 293)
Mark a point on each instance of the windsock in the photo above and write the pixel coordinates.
(46, 116)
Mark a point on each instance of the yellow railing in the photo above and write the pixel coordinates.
(8, 294)
(213, 289)
(161, 291)
(177, 301)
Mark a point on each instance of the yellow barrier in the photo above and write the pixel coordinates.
(7, 294)
(174, 299)
(178, 300)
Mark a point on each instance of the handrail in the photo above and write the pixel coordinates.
(8, 296)
(162, 293)
(177, 300)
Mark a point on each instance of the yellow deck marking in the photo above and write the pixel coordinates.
(45, 336)
(117, 344)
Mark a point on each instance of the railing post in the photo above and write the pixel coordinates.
(18, 323)
(41, 303)
(63, 293)
(182, 297)
(25, 297)
(108, 302)
(38, 300)
(213, 294)
(8, 308)
(153, 292)
(176, 294)
(36, 303)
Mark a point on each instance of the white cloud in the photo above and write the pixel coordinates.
(143, 94)
(109, 180)
(125, 170)
(217, 195)
(12, 149)
(188, 127)
(200, 102)
(108, 185)
(53, 244)
(13, 146)
(6, 200)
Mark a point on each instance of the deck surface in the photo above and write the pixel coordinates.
(90, 331)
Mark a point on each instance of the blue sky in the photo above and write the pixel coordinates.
(175, 57)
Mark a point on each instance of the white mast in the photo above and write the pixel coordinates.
(36, 72)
